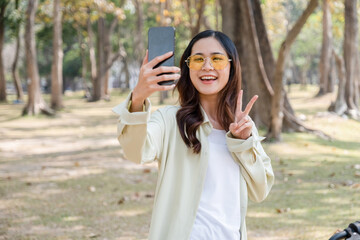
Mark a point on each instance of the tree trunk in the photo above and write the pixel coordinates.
(93, 64)
(139, 43)
(127, 73)
(332, 74)
(339, 106)
(99, 80)
(36, 103)
(357, 82)
(326, 50)
(217, 12)
(108, 55)
(83, 64)
(195, 21)
(350, 54)
(243, 21)
(14, 69)
(277, 106)
(57, 64)
(2, 35)
(230, 18)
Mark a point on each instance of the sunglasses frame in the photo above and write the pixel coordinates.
(187, 61)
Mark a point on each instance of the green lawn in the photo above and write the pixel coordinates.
(65, 177)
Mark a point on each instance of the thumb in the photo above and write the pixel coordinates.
(232, 127)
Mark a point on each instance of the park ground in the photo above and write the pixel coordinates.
(65, 177)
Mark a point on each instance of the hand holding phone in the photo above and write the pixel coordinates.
(149, 78)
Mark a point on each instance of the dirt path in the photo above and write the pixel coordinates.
(65, 177)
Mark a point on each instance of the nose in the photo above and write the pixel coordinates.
(207, 64)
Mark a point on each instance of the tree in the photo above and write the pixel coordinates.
(339, 105)
(243, 22)
(195, 19)
(348, 92)
(14, 68)
(3, 5)
(350, 56)
(326, 60)
(36, 103)
(277, 106)
(246, 28)
(139, 50)
(57, 62)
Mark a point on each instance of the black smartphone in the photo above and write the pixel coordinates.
(160, 41)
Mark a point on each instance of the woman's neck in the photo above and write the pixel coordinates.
(210, 106)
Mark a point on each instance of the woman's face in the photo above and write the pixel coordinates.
(209, 81)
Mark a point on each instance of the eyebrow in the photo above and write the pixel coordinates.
(213, 53)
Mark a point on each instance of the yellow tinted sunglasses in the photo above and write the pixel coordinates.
(217, 61)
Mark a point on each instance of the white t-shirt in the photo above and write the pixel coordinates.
(218, 214)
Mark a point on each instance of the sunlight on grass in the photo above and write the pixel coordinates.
(130, 213)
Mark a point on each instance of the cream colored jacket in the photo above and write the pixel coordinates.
(147, 137)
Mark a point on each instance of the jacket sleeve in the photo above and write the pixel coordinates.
(255, 164)
(140, 134)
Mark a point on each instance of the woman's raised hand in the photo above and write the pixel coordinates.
(148, 80)
(243, 125)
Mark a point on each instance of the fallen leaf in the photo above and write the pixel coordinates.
(298, 181)
(357, 166)
(347, 183)
(92, 189)
(28, 184)
(332, 175)
(357, 174)
(282, 162)
(282, 210)
(149, 195)
(136, 196)
(93, 235)
(356, 186)
(147, 170)
(122, 200)
(77, 164)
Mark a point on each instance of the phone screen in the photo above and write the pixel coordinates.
(160, 41)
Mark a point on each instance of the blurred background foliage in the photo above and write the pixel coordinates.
(279, 16)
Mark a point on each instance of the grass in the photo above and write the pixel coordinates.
(65, 177)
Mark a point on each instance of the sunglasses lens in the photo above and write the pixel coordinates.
(196, 62)
(218, 61)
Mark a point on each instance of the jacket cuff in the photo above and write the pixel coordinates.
(132, 118)
(240, 145)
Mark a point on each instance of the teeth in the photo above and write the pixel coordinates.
(208, 78)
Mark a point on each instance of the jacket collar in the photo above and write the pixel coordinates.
(206, 123)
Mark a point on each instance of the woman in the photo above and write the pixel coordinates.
(209, 154)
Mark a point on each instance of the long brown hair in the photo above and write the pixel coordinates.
(189, 117)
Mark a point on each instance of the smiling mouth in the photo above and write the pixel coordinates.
(208, 78)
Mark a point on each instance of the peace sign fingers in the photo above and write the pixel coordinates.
(250, 104)
(239, 113)
(242, 126)
(239, 106)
